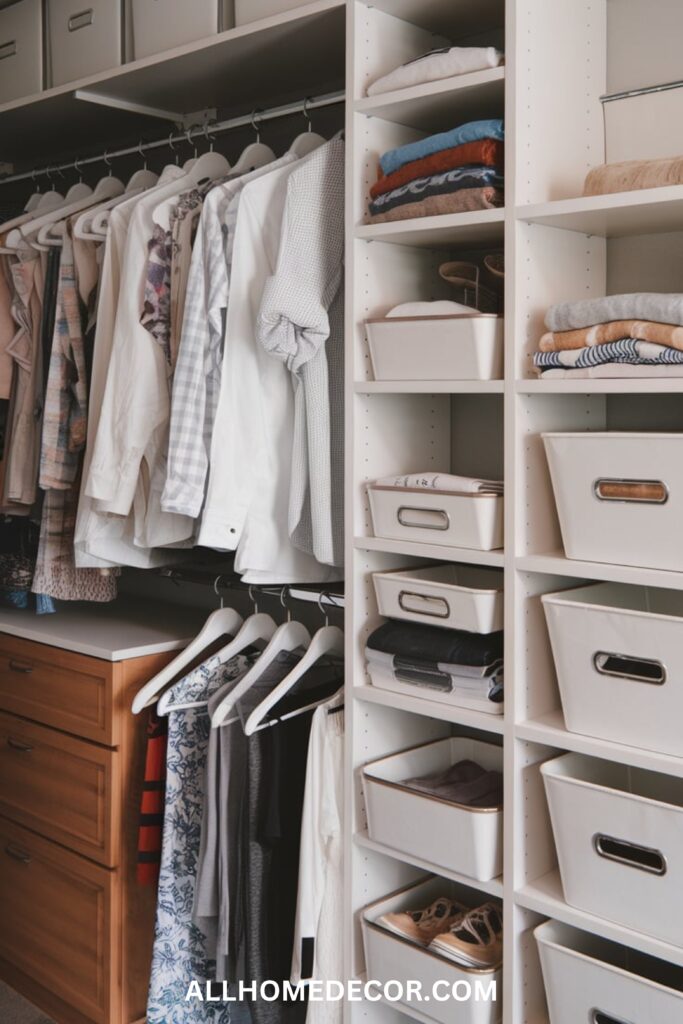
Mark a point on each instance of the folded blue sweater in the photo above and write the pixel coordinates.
(473, 131)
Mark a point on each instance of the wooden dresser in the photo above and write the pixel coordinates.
(77, 929)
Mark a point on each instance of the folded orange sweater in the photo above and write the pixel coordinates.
(489, 152)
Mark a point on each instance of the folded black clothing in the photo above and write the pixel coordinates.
(431, 643)
(465, 783)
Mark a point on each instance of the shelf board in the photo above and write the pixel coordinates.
(551, 730)
(646, 211)
(430, 709)
(545, 896)
(438, 105)
(455, 20)
(556, 564)
(480, 227)
(292, 55)
(441, 551)
(493, 888)
(429, 387)
(602, 386)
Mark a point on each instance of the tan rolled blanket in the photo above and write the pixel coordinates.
(633, 174)
(465, 200)
(642, 330)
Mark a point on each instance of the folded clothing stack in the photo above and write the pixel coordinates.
(467, 666)
(447, 62)
(445, 483)
(451, 172)
(465, 783)
(635, 335)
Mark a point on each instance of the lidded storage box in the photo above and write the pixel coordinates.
(453, 596)
(160, 25)
(84, 38)
(457, 347)
(21, 49)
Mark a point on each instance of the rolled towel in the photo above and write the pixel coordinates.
(632, 175)
(435, 65)
(662, 307)
(473, 131)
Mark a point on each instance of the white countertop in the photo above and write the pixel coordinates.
(113, 632)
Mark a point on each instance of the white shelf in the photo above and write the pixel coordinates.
(545, 896)
(646, 211)
(602, 386)
(475, 228)
(431, 709)
(556, 564)
(493, 888)
(429, 387)
(550, 729)
(440, 551)
(439, 105)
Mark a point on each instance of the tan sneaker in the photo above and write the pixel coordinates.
(476, 940)
(422, 926)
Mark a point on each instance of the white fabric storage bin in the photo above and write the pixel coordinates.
(388, 957)
(254, 10)
(464, 839)
(638, 530)
(386, 680)
(160, 25)
(436, 348)
(84, 38)
(617, 646)
(618, 832)
(437, 517)
(453, 596)
(591, 980)
(21, 49)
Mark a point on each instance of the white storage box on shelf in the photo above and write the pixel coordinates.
(437, 517)
(618, 832)
(254, 10)
(21, 49)
(160, 25)
(453, 596)
(591, 980)
(617, 646)
(84, 39)
(456, 347)
(446, 692)
(619, 496)
(452, 836)
(389, 958)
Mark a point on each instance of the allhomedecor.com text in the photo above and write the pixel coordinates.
(355, 991)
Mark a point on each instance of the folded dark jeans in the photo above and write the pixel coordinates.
(418, 642)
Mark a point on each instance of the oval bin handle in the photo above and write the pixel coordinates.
(625, 666)
(443, 520)
(18, 666)
(16, 853)
(406, 595)
(81, 20)
(644, 858)
(598, 1017)
(18, 745)
(635, 492)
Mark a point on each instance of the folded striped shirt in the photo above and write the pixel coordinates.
(628, 350)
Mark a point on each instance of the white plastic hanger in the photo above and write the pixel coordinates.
(328, 641)
(74, 201)
(256, 154)
(52, 232)
(287, 637)
(34, 199)
(309, 140)
(49, 201)
(139, 182)
(210, 165)
(222, 622)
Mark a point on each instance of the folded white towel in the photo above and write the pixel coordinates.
(441, 307)
(442, 482)
(437, 64)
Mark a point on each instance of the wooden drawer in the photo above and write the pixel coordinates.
(58, 688)
(57, 920)
(59, 786)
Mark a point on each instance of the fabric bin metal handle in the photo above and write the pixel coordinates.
(441, 514)
(627, 666)
(632, 492)
(81, 20)
(599, 1017)
(19, 745)
(8, 49)
(406, 595)
(17, 666)
(621, 851)
(17, 853)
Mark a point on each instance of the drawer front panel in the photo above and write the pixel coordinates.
(58, 688)
(58, 786)
(56, 909)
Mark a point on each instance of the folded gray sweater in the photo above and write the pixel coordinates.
(662, 307)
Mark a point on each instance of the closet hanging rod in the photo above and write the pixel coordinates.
(644, 90)
(224, 581)
(255, 118)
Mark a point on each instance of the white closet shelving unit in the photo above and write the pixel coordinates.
(560, 59)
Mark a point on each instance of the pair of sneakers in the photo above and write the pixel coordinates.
(469, 936)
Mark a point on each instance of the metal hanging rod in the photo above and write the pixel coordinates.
(256, 118)
(645, 90)
(227, 581)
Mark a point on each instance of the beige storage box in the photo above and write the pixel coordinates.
(445, 692)
(160, 25)
(588, 979)
(470, 995)
(253, 10)
(619, 496)
(618, 832)
(468, 840)
(21, 49)
(435, 348)
(437, 517)
(453, 596)
(84, 38)
(618, 646)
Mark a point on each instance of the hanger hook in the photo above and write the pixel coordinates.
(142, 154)
(215, 588)
(77, 168)
(285, 592)
(256, 124)
(209, 138)
(321, 599)
(306, 113)
(33, 179)
(252, 598)
(172, 147)
(60, 172)
(107, 161)
(188, 135)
